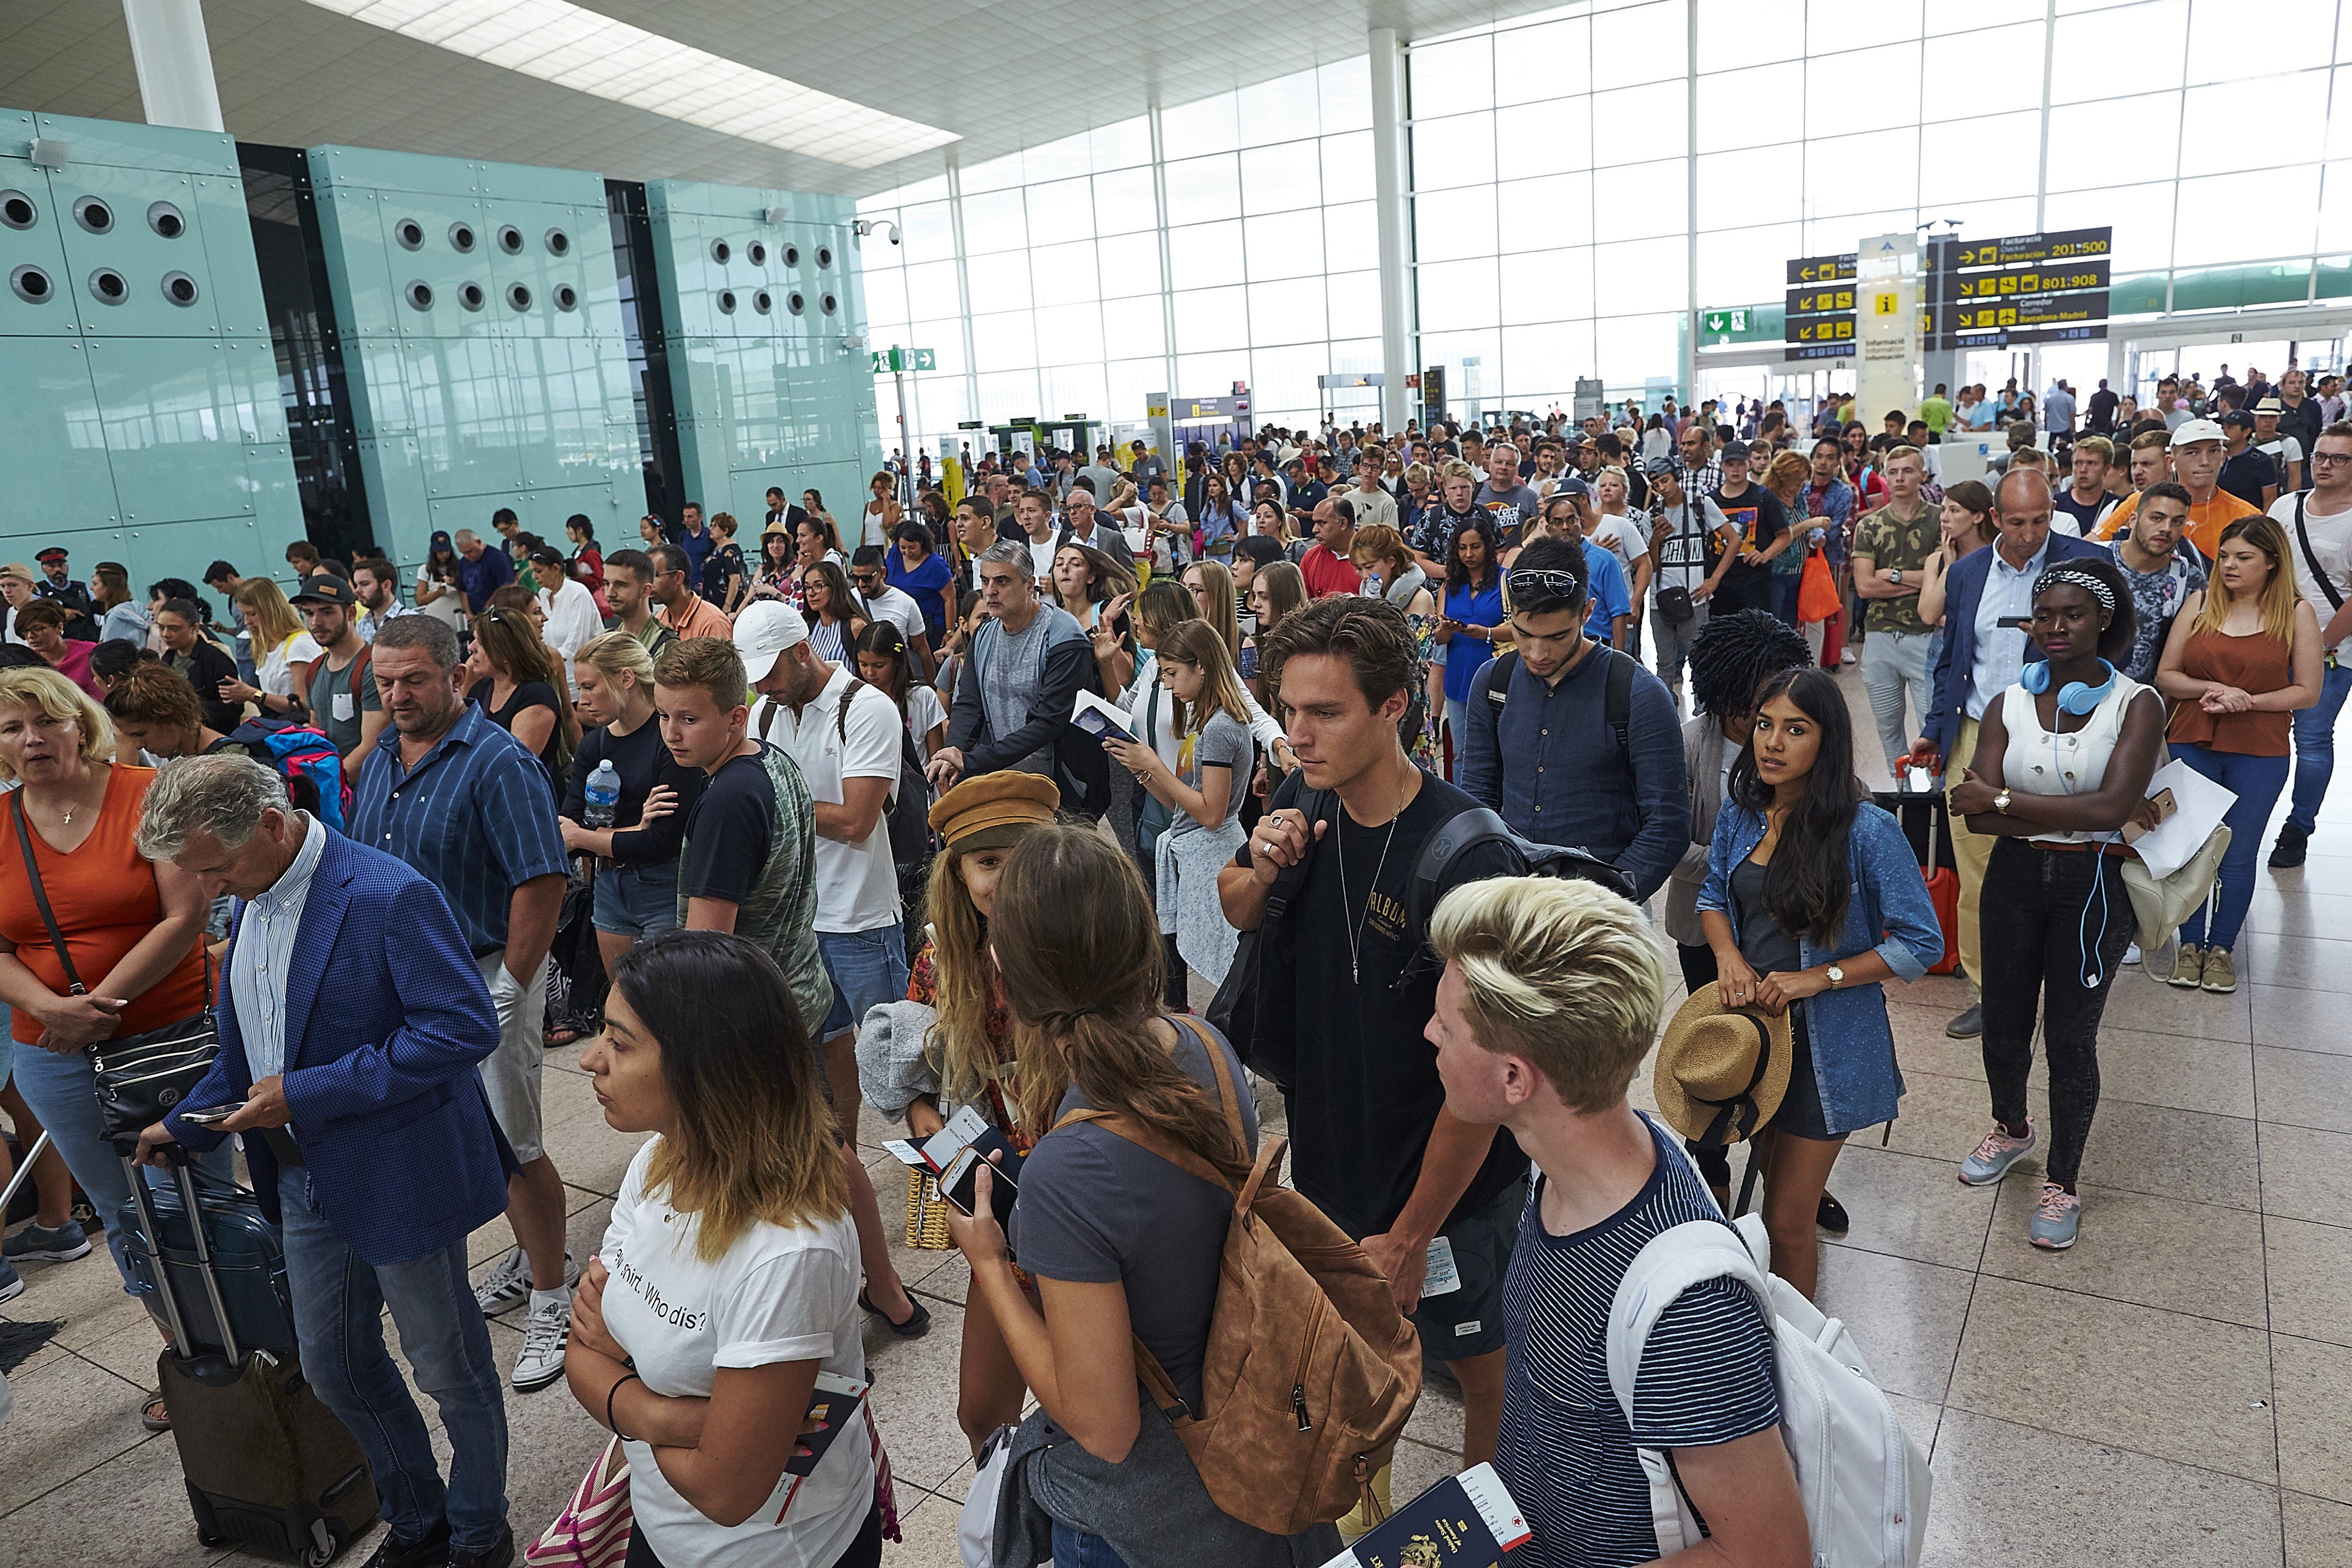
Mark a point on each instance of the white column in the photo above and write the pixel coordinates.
(174, 63)
(1166, 261)
(1689, 366)
(963, 303)
(1390, 162)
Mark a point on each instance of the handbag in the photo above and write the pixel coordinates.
(2160, 904)
(1675, 607)
(1817, 594)
(138, 1077)
(593, 1529)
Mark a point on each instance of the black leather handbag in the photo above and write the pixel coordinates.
(138, 1077)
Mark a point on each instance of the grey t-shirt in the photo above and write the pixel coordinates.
(1510, 509)
(1223, 742)
(1095, 1208)
(1007, 681)
(331, 699)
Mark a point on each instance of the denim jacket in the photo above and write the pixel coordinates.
(1888, 911)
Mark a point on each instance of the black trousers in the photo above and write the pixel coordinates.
(865, 1552)
(2055, 926)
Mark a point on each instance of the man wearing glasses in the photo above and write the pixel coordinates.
(2318, 523)
(870, 570)
(677, 606)
(1573, 743)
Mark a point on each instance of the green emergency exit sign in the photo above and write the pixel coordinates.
(889, 361)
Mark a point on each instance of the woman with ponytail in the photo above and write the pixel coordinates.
(1123, 1246)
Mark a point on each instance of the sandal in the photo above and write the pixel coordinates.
(155, 1416)
(914, 1328)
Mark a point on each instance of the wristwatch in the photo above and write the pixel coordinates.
(1836, 976)
(2000, 803)
(1895, 574)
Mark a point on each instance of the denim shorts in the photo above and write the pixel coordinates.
(869, 968)
(632, 901)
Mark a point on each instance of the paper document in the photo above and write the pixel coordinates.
(2169, 845)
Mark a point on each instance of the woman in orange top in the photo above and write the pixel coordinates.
(2243, 656)
(134, 929)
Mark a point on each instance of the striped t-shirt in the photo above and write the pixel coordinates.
(1707, 1377)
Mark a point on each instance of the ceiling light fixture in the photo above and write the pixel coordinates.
(573, 46)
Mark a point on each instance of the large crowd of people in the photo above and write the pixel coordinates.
(957, 809)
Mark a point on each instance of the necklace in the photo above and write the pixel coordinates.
(1356, 931)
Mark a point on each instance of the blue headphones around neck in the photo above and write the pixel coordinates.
(2076, 698)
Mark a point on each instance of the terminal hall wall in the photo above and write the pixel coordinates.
(758, 315)
(145, 423)
(483, 347)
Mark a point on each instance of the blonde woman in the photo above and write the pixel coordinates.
(1211, 717)
(636, 855)
(737, 1211)
(279, 643)
(1209, 585)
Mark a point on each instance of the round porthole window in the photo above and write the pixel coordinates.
(792, 255)
(764, 303)
(409, 232)
(108, 287)
(721, 252)
(18, 211)
(558, 242)
(179, 289)
(93, 215)
(823, 255)
(832, 305)
(31, 285)
(470, 295)
(794, 302)
(461, 238)
(517, 297)
(167, 220)
(758, 253)
(726, 301)
(567, 298)
(510, 239)
(419, 294)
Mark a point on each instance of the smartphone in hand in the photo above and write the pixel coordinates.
(960, 1185)
(211, 1115)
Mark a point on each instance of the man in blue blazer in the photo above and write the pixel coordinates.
(1981, 657)
(351, 1018)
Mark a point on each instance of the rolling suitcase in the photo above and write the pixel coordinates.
(1928, 822)
(265, 1462)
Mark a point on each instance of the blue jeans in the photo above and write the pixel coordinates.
(2315, 746)
(2257, 782)
(338, 1302)
(636, 900)
(63, 1092)
(869, 968)
(1074, 1548)
(1785, 585)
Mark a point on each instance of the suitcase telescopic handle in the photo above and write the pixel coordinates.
(183, 1170)
(143, 1200)
(23, 1169)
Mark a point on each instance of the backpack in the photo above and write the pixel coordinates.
(1864, 1482)
(306, 760)
(1310, 1373)
(908, 807)
(1616, 701)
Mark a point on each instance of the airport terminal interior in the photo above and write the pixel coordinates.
(360, 273)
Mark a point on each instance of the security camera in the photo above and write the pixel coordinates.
(865, 225)
(893, 232)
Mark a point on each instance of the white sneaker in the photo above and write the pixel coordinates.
(544, 1337)
(1847, 656)
(2131, 954)
(508, 1284)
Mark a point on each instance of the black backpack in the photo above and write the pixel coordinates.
(1616, 701)
(908, 809)
(1432, 870)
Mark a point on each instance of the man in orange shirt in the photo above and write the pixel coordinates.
(2198, 453)
(680, 608)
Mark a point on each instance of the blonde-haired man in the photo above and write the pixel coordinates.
(1549, 1000)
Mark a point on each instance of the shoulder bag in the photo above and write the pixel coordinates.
(138, 1077)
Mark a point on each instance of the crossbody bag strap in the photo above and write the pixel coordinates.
(41, 897)
(2311, 556)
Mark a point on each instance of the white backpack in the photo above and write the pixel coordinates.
(1864, 1485)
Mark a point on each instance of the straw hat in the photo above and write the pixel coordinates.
(1722, 1073)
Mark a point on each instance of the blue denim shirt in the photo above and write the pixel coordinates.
(1888, 912)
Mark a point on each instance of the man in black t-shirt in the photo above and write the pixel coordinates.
(1434, 1200)
(1763, 534)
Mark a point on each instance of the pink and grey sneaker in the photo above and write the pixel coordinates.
(1996, 1155)
(2056, 1218)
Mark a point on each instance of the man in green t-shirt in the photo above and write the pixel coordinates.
(1936, 410)
(1891, 546)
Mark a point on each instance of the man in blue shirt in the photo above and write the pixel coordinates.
(457, 797)
(1986, 595)
(481, 571)
(1543, 748)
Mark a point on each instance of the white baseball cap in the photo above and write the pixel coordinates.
(765, 629)
(2195, 430)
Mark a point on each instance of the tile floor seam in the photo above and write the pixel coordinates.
(144, 1438)
(2270, 1329)
(2009, 1419)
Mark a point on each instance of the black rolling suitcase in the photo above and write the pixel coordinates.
(265, 1462)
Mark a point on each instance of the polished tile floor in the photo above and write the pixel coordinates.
(2175, 1390)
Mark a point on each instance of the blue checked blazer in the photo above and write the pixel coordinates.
(386, 1018)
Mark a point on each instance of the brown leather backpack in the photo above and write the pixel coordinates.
(1311, 1372)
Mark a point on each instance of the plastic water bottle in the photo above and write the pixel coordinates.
(604, 795)
(1371, 585)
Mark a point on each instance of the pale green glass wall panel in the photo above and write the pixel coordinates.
(766, 397)
(146, 426)
(488, 366)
